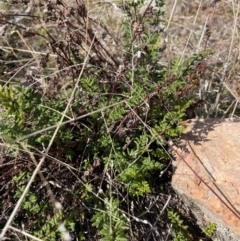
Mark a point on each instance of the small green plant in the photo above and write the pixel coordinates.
(110, 222)
(210, 229)
(179, 230)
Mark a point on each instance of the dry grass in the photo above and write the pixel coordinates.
(214, 25)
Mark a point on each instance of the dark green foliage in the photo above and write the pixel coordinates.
(111, 222)
(128, 108)
(180, 232)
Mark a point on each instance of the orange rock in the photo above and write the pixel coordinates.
(211, 148)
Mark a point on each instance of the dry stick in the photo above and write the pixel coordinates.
(171, 15)
(4, 48)
(17, 71)
(166, 30)
(28, 47)
(190, 35)
(202, 35)
(166, 204)
(24, 233)
(57, 206)
(234, 109)
(45, 182)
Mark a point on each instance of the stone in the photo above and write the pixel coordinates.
(207, 175)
